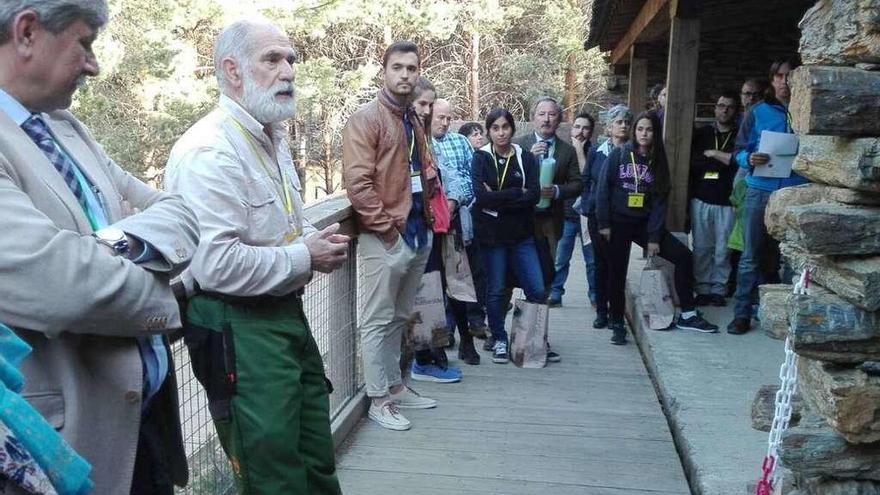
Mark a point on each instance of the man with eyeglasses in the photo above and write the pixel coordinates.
(711, 182)
(752, 92)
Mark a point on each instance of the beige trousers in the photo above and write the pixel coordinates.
(390, 281)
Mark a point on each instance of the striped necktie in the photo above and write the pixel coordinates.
(36, 128)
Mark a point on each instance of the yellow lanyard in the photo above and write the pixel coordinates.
(729, 133)
(635, 169)
(285, 186)
(506, 166)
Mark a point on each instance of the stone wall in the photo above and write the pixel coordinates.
(833, 226)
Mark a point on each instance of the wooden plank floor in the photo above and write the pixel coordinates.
(590, 425)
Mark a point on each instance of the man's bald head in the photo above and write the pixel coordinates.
(441, 118)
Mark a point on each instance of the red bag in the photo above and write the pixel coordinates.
(440, 210)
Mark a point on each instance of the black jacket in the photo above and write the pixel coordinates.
(507, 214)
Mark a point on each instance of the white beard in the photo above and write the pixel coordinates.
(261, 104)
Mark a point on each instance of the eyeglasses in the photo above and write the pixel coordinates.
(750, 93)
(722, 106)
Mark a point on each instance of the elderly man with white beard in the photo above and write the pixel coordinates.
(247, 335)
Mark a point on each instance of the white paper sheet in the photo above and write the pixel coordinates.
(782, 148)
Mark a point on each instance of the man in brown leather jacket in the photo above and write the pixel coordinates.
(389, 177)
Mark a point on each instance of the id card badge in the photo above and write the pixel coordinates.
(636, 200)
(711, 175)
(415, 182)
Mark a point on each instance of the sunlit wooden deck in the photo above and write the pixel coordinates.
(590, 425)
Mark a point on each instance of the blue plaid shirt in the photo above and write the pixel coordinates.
(454, 154)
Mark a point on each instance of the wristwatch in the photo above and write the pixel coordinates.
(113, 238)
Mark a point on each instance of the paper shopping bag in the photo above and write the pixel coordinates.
(656, 294)
(456, 266)
(528, 334)
(429, 314)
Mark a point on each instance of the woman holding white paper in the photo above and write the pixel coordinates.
(631, 207)
(505, 183)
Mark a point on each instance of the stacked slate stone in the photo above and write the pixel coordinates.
(833, 226)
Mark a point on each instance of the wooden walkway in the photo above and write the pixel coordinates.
(590, 425)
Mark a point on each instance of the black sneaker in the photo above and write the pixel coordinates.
(554, 303)
(468, 354)
(619, 335)
(499, 353)
(739, 326)
(489, 344)
(601, 320)
(703, 300)
(696, 323)
(553, 356)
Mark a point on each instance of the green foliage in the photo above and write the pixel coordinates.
(157, 71)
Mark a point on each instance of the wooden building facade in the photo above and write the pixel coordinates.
(699, 49)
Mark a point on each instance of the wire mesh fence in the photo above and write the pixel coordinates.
(331, 303)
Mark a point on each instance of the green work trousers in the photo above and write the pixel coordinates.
(274, 422)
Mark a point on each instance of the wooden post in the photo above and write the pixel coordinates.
(681, 80)
(638, 82)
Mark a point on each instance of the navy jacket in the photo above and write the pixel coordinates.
(590, 177)
(617, 180)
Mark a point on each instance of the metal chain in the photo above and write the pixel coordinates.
(771, 478)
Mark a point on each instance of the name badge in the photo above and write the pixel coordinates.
(711, 175)
(636, 200)
(415, 182)
(491, 213)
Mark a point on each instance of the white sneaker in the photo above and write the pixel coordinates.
(410, 399)
(388, 416)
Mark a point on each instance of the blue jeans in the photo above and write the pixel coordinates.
(570, 235)
(755, 242)
(522, 259)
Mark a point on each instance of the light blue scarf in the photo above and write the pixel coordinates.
(68, 472)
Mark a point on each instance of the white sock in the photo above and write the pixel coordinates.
(688, 314)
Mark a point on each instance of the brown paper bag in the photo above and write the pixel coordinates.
(459, 281)
(528, 334)
(429, 313)
(657, 293)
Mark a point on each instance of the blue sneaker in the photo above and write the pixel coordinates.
(436, 374)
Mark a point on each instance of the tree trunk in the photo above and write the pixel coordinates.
(569, 96)
(475, 76)
(327, 148)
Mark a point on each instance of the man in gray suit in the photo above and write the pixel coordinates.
(550, 150)
(86, 255)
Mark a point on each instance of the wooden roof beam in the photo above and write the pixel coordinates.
(643, 19)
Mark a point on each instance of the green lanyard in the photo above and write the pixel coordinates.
(506, 166)
(285, 185)
(729, 133)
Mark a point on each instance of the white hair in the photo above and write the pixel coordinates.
(238, 42)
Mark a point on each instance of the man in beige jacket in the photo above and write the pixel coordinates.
(85, 259)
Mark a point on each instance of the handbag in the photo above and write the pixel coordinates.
(657, 293)
(440, 210)
(528, 334)
(459, 280)
(429, 313)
